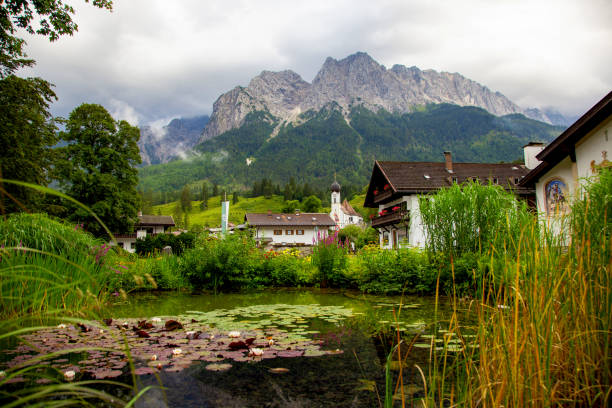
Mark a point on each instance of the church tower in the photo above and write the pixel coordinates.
(335, 212)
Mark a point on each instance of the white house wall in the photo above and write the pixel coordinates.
(310, 235)
(592, 148)
(416, 234)
(562, 171)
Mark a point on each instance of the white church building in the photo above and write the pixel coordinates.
(342, 212)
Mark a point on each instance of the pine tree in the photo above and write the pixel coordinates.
(185, 199)
(204, 196)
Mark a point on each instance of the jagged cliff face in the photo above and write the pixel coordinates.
(355, 80)
(172, 141)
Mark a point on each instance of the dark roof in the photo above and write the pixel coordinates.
(564, 145)
(423, 177)
(165, 220)
(348, 209)
(303, 219)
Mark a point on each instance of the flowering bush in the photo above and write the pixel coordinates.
(330, 256)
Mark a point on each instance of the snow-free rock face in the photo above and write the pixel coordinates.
(160, 145)
(355, 80)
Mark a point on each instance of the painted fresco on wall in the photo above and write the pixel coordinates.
(556, 197)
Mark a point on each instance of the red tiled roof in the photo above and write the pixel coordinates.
(303, 219)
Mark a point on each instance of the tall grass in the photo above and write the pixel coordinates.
(472, 218)
(49, 266)
(544, 335)
(50, 270)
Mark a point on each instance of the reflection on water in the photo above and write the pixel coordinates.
(354, 378)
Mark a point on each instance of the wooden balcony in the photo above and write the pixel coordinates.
(382, 196)
(389, 219)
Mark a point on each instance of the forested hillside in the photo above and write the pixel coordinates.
(325, 143)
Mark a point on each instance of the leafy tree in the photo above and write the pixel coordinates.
(311, 204)
(26, 136)
(185, 199)
(49, 18)
(215, 191)
(291, 206)
(97, 167)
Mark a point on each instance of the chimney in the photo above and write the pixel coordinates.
(449, 161)
(269, 213)
(530, 151)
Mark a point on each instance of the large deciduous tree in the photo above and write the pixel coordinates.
(26, 136)
(97, 167)
(49, 18)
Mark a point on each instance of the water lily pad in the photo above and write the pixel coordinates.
(218, 367)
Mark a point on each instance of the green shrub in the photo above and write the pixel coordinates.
(395, 272)
(152, 244)
(221, 264)
(151, 273)
(330, 258)
(284, 269)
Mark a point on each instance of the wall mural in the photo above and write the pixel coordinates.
(556, 197)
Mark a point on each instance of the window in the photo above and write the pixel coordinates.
(454, 179)
(120, 244)
(495, 180)
(288, 232)
(350, 219)
(299, 232)
(278, 232)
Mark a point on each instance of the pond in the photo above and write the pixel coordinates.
(275, 348)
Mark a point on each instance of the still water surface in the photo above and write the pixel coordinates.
(354, 377)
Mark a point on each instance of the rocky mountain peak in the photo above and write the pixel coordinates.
(356, 79)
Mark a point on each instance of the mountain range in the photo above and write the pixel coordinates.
(355, 111)
(357, 80)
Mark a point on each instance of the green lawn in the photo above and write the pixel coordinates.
(211, 217)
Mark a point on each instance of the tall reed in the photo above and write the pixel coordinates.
(544, 337)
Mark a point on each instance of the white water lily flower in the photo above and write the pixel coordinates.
(256, 352)
(270, 342)
(234, 334)
(156, 320)
(190, 333)
(69, 375)
(61, 326)
(177, 351)
(503, 307)
(101, 331)
(2, 374)
(154, 357)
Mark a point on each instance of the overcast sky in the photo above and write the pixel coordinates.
(152, 60)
